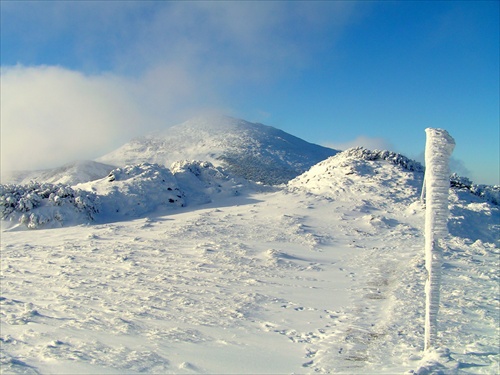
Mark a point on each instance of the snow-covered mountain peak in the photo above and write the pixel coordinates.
(213, 124)
(251, 150)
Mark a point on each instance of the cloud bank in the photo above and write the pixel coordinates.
(48, 112)
(52, 115)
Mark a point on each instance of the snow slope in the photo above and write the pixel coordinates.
(323, 276)
(254, 151)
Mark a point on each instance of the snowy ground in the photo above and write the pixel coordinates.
(302, 280)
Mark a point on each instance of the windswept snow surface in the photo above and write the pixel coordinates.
(325, 276)
(254, 151)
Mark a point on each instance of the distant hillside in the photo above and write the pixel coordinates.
(69, 174)
(254, 151)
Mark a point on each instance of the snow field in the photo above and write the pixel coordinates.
(181, 291)
(309, 279)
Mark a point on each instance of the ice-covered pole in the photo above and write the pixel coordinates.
(438, 149)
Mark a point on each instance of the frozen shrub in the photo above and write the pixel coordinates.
(390, 156)
(203, 170)
(37, 204)
(459, 182)
(37, 220)
(134, 190)
(486, 192)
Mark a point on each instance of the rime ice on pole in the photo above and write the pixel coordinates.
(438, 149)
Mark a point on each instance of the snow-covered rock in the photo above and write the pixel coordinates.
(135, 190)
(390, 156)
(201, 181)
(254, 151)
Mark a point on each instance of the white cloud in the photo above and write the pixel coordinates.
(364, 141)
(52, 115)
(49, 112)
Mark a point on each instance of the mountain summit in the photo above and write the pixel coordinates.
(255, 151)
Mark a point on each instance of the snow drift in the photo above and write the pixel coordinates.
(125, 193)
(377, 176)
(137, 190)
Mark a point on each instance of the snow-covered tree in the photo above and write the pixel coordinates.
(438, 149)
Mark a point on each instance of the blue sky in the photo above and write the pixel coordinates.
(81, 78)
